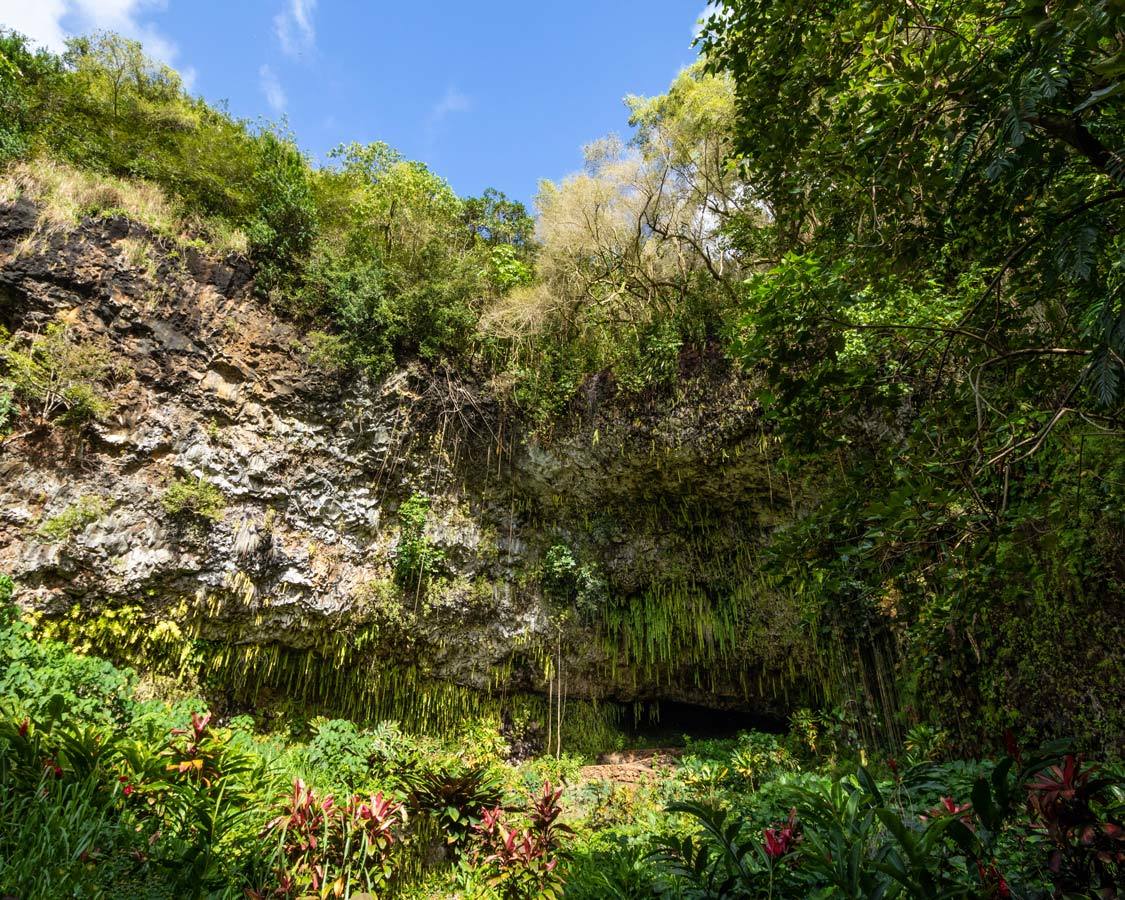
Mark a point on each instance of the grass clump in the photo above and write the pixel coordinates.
(189, 498)
(66, 194)
(73, 519)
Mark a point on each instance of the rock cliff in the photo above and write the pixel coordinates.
(653, 506)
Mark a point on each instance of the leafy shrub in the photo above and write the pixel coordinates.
(1083, 814)
(721, 862)
(522, 863)
(283, 226)
(610, 867)
(340, 752)
(61, 527)
(194, 499)
(506, 270)
(46, 680)
(416, 558)
(329, 352)
(59, 377)
(926, 743)
(324, 848)
(760, 757)
(5, 411)
(454, 796)
(567, 581)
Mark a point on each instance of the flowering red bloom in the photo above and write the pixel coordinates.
(24, 725)
(892, 764)
(127, 790)
(779, 841)
(950, 807)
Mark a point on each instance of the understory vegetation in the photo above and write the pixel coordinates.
(896, 227)
(105, 794)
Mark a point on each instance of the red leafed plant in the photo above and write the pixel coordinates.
(950, 807)
(524, 861)
(995, 885)
(1073, 808)
(375, 819)
(778, 841)
(196, 754)
(324, 847)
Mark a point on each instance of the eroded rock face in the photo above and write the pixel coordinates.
(213, 385)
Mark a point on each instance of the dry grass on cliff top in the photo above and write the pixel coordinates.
(65, 195)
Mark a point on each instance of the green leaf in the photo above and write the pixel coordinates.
(1099, 95)
(868, 784)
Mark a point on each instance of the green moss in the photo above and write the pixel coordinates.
(77, 516)
(194, 499)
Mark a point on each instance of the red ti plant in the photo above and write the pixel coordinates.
(375, 819)
(304, 830)
(545, 812)
(950, 807)
(1072, 807)
(780, 840)
(325, 847)
(524, 860)
(195, 756)
(994, 883)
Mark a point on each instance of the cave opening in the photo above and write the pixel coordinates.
(668, 721)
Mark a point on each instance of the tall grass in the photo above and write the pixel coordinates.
(51, 839)
(65, 195)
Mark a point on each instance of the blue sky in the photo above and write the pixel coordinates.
(494, 93)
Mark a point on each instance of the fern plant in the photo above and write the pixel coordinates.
(416, 558)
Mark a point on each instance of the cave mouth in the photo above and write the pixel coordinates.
(669, 722)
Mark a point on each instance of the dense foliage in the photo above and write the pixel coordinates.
(943, 311)
(102, 794)
(376, 249)
(901, 225)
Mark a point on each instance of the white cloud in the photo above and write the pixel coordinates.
(453, 102)
(50, 22)
(188, 75)
(709, 10)
(294, 27)
(271, 87)
(41, 20)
